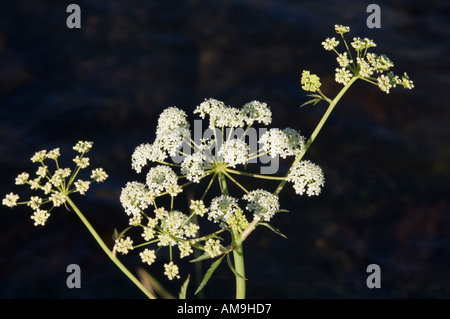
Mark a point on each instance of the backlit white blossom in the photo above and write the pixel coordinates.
(234, 152)
(222, 208)
(284, 143)
(171, 270)
(148, 256)
(262, 203)
(123, 245)
(83, 146)
(10, 200)
(40, 217)
(135, 197)
(213, 247)
(256, 111)
(330, 43)
(307, 178)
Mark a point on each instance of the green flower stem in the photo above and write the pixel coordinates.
(238, 256)
(255, 175)
(318, 128)
(238, 252)
(107, 251)
(236, 182)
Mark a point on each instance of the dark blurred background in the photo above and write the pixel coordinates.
(385, 157)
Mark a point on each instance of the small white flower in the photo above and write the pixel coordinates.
(213, 247)
(172, 130)
(343, 75)
(387, 81)
(173, 224)
(22, 178)
(166, 240)
(40, 217)
(406, 82)
(10, 200)
(341, 29)
(161, 178)
(257, 111)
(99, 175)
(171, 270)
(365, 70)
(190, 229)
(39, 156)
(82, 162)
(147, 152)
(234, 152)
(59, 176)
(343, 60)
(53, 154)
(220, 115)
(57, 199)
(358, 43)
(35, 183)
(307, 177)
(135, 220)
(194, 166)
(82, 186)
(262, 203)
(148, 256)
(310, 82)
(35, 202)
(135, 197)
(42, 171)
(222, 208)
(83, 147)
(330, 43)
(123, 245)
(47, 188)
(185, 249)
(148, 233)
(198, 207)
(287, 142)
(380, 63)
(161, 213)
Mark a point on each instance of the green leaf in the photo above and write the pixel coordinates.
(209, 274)
(122, 233)
(317, 96)
(183, 289)
(314, 101)
(230, 264)
(202, 257)
(275, 230)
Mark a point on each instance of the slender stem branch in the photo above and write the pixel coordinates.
(236, 182)
(278, 178)
(317, 129)
(107, 251)
(238, 253)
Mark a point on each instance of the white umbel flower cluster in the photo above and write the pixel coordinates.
(307, 178)
(56, 185)
(366, 65)
(262, 203)
(222, 208)
(283, 143)
(234, 152)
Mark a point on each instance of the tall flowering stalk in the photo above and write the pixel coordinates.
(221, 158)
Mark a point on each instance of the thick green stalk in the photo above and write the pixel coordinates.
(317, 129)
(239, 266)
(107, 251)
(238, 253)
